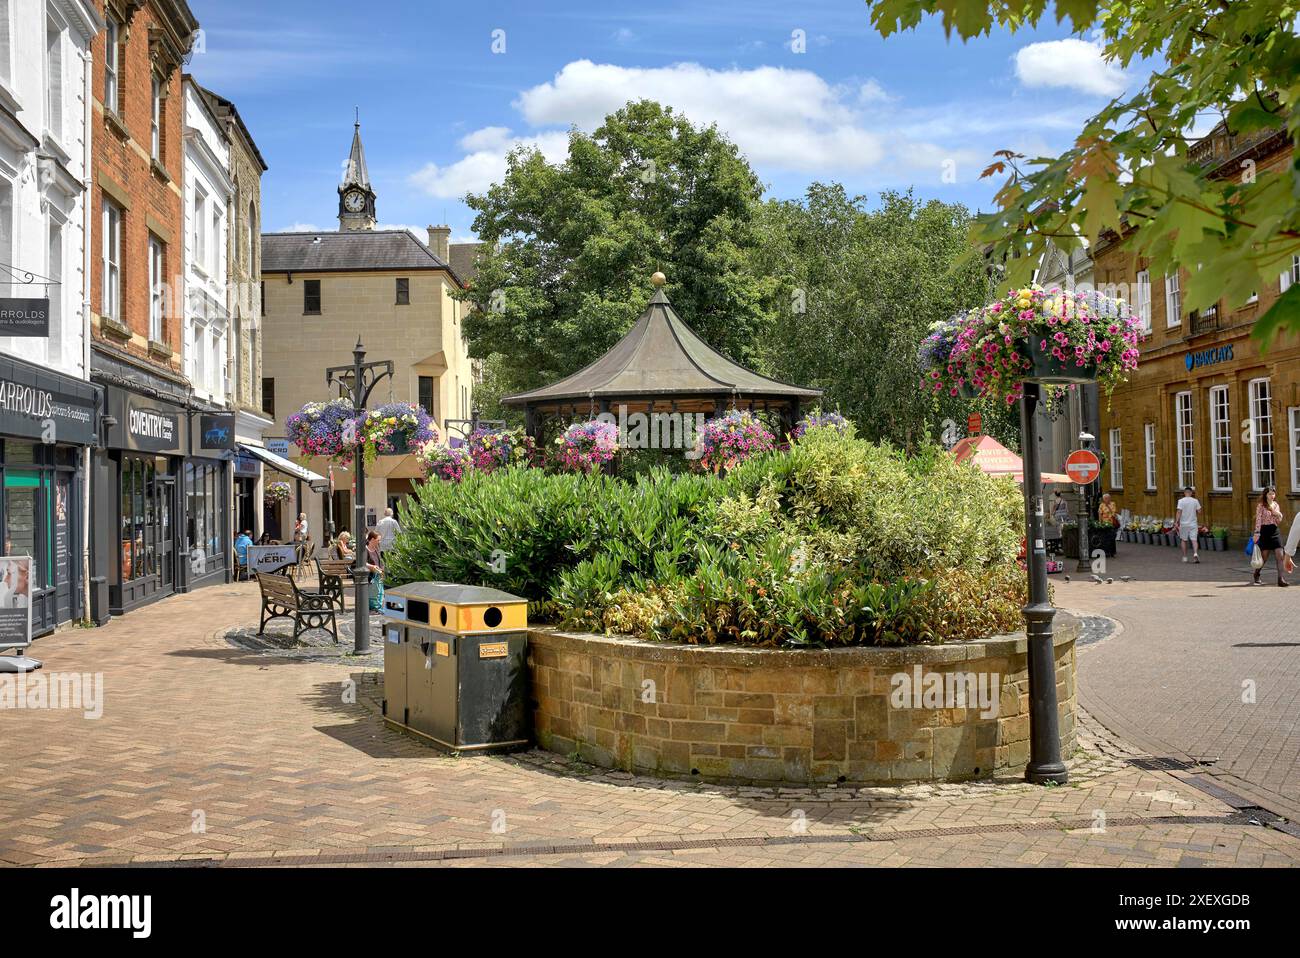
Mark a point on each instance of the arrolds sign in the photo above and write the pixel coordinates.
(46, 406)
(24, 317)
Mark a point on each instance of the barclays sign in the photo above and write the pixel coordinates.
(1208, 357)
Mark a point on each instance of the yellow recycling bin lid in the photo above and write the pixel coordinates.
(456, 609)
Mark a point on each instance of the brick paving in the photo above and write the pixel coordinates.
(1196, 641)
(211, 753)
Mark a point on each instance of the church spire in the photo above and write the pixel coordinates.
(356, 197)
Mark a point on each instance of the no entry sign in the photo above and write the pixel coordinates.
(1082, 466)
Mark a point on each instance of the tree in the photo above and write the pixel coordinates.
(572, 246)
(856, 291)
(1130, 170)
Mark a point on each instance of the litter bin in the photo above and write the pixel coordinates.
(455, 669)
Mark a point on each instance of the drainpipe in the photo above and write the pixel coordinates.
(86, 244)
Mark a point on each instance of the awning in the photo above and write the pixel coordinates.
(281, 464)
(994, 459)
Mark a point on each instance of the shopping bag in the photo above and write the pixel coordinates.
(376, 592)
(1257, 558)
(1250, 545)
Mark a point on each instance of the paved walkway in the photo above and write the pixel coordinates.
(215, 754)
(1206, 668)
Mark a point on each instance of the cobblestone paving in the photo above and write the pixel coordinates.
(212, 753)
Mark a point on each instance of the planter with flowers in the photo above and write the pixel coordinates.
(440, 462)
(1219, 538)
(317, 428)
(1052, 337)
(587, 446)
(394, 429)
(941, 371)
(495, 449)
(820, 420)
(276, 493)
(729, 440)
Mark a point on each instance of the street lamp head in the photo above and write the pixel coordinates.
(1086, 436)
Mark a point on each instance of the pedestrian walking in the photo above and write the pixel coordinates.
(388, 529)
(1268, 519)
(300, 529)
(1189, 524)
(375, 564)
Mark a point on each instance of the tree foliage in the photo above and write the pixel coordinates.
(572, 245)
(1131, 166)
(856, 289)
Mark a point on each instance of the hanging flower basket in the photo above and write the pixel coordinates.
(449, 465)
(495, 449)
(317, 428)
(1047, 369)
(394, 429)
(587, 446)
(729, 440)
(276, 493)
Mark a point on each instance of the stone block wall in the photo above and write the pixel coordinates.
(767, 715)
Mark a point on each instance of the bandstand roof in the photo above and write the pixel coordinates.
(661, 357)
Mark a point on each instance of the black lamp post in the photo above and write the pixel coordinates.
(1045, 763)
(357, 382)
(1085, 514)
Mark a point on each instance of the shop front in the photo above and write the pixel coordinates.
(209, 535)
(46, 422)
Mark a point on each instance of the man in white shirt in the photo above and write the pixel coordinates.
(1292, 542)
(388, 529)
(1189, 524)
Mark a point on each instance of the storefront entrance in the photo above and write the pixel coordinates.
(148, 537)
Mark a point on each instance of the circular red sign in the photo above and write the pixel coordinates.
(1082, 466)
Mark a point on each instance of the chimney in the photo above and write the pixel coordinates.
(440, 241)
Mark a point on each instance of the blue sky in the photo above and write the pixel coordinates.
(439, 108)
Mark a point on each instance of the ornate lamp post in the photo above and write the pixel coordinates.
(1085, 514)
(357, 381)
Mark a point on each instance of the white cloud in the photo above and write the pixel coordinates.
(784, 120)
(1071, 63)
(301, 228)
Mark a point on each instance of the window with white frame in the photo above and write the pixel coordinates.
(6, 232)
(1186, 461)
(6, 35)
(1149, 446)
(218, 238)
(54, 78)
(112, 54)
(1220, 439)
(1293, 419)
(199, 229)
(155, 120)
(1142, 299)
(157, 289)
(54, 269)
(1116, 460)
(111, 300)
(1290, 276)
(1261, 435)
(1173, 301)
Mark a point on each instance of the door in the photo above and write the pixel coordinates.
(164, 497)
(64, 557)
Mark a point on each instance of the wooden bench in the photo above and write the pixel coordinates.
(282, 599)
(332, 572)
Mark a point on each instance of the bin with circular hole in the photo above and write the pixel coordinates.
(455, 665)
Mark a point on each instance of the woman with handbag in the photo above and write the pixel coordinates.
(1268, 519)
(375, 563)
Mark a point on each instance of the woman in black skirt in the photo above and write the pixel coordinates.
(1268, 518)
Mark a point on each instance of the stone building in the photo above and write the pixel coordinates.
(244, 307)
(323, 291)
(1206, 406)
(48, 411)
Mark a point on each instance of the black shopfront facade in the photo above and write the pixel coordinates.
(161, 497)
(47, 420)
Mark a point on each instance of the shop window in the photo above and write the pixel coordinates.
(205, 544)
(1221, 439)
(1260, 438)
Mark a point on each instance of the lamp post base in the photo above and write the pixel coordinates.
(1054, 772)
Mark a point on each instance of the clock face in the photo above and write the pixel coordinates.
(354, 202)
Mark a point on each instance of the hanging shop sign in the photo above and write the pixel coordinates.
(25, 317)
(279, 447)
(247, 466)
(217, 431)
(48, 406)
(144, 424)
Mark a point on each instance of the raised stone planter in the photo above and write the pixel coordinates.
(735, 714)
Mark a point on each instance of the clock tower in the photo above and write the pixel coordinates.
(356, 198)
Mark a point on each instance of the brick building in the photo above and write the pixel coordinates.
(1206, 407)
